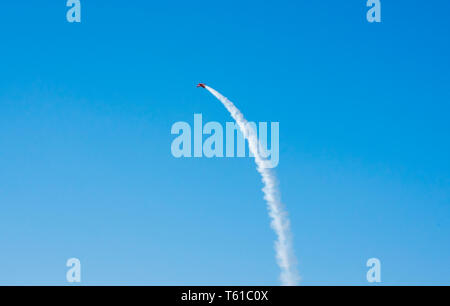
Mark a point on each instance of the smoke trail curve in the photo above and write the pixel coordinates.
(279, 219)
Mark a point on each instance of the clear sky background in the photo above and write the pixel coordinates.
(86, 169)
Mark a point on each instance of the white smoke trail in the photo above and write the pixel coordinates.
(279, 218)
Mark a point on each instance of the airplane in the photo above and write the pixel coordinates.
(201, 85)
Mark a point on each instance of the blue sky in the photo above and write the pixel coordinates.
(86, 169)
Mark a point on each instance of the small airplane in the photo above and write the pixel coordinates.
(201, 85)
